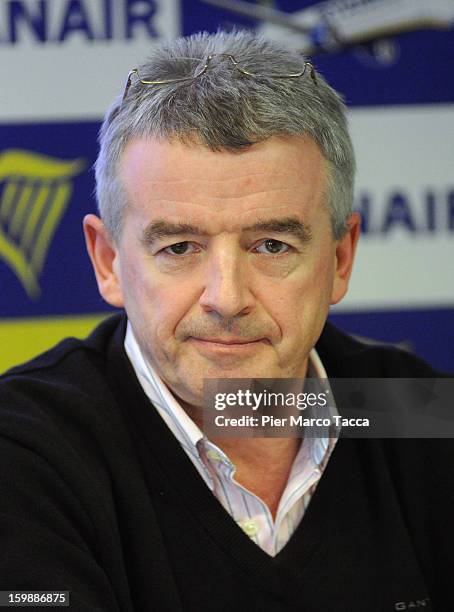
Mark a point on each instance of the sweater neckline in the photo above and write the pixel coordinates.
(160, 450)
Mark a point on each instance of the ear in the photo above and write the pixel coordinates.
(103, 253)
(344, 256)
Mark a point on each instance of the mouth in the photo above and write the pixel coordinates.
(229, 341)
(227, 345)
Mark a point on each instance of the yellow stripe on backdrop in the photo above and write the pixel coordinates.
(22, 339)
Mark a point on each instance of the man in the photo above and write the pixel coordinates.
(224, 183)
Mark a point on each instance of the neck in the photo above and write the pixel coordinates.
(262, 464)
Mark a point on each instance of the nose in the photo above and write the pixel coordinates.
(226, 286)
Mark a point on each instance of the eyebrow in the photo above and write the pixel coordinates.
(288, 225)
(165, 229)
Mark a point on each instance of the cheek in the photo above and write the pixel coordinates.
(135, 284)
(139, 294)
(303, 301)
(323, 278)
(154, 304)
(169, 307)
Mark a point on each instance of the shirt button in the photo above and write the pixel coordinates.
(249, 527)
(214, 455)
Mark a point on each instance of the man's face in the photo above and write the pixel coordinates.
(226, 263)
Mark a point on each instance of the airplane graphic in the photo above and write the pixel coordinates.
(332, 25)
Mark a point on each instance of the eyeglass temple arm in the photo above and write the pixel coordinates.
(128, 83)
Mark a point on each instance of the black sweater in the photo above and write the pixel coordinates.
(98, 498)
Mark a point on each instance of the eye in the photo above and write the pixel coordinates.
(179, 248)
(272, 247)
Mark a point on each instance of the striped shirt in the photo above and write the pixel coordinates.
(214, 466)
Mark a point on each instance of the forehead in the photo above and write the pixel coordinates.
(285, 175)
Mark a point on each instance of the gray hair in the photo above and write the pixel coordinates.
(226, 111)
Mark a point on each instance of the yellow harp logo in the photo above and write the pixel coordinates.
(34, 192)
